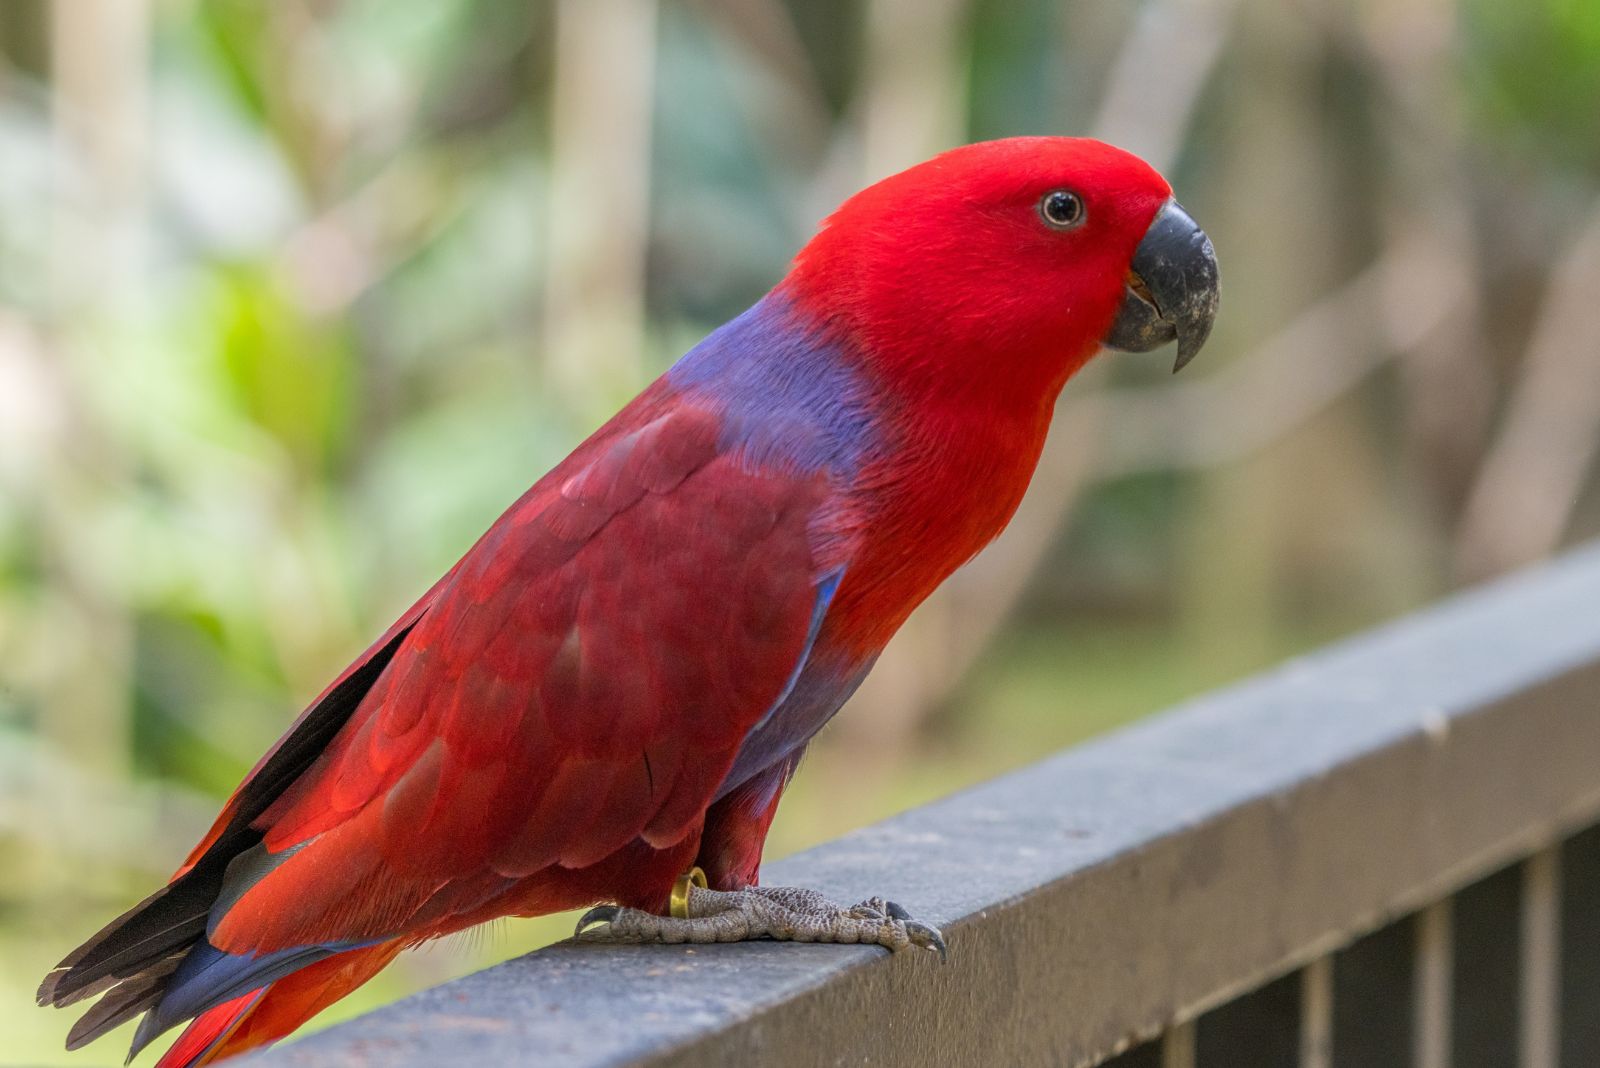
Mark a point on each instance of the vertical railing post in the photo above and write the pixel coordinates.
(1541, 960)
(1177, 1046)
(1435, 953)
(1316, 1014)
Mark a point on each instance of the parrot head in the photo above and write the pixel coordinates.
(1002, 267)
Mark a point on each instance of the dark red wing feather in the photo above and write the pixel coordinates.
(584, 679)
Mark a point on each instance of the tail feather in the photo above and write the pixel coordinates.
(175, 917)
(132, 962)
(260, 1017)
(127, 1000)
(206, 1036)
(168, 920)
(209, 977)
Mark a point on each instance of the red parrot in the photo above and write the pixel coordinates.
(613, 686)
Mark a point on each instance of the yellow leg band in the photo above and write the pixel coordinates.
(680, 891)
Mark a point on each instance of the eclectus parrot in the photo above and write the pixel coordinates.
(602, 702)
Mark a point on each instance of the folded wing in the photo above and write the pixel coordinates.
(582, 680)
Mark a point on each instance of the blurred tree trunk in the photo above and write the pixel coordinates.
(99, 58)
(1534, 474)
(1243, 518)
(600, 136)
(914, 89)
(1447, 381)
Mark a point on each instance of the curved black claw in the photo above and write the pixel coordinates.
(896, 911)
(597, 915)
(926, 936)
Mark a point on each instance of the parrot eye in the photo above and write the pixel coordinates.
(1061, 209)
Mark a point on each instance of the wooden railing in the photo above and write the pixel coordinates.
(1383, 854)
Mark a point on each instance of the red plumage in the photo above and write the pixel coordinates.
(548, 709)
(617, 680)
(262, 1016)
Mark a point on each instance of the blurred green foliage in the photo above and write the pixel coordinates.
(1535, 76)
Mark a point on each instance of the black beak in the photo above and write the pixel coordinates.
(1172, 289)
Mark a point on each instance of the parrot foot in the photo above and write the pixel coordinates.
(784, 913)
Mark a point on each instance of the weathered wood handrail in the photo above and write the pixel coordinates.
(1113, 891)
